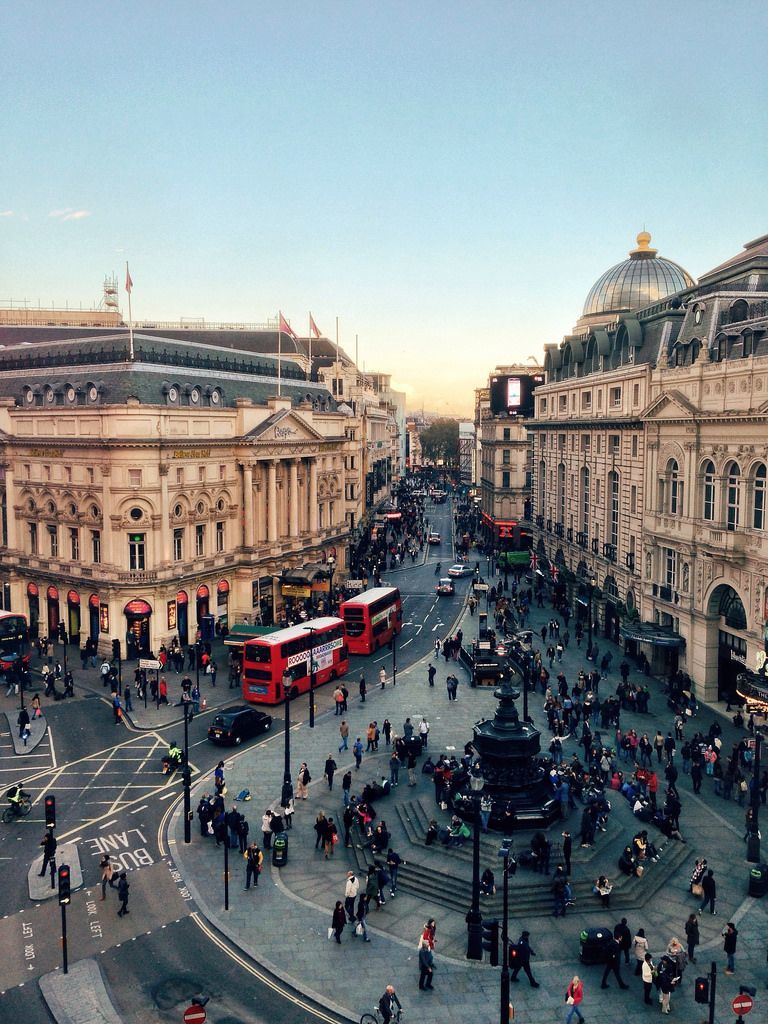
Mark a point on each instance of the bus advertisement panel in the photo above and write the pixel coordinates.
(286, 653)
(371, 619)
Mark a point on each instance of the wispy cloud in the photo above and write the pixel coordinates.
(7, 213)
(69, 214)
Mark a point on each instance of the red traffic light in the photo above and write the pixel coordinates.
(701, 990)
(50, 811)
(64, 885)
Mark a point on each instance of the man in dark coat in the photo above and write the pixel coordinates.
(613, 965)
(524, 954)
(623, 936)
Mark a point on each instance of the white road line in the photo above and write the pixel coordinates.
(137, 809)
(406, 643)
(53, 752)
(108, 823)
(167, 796)
(419, 629)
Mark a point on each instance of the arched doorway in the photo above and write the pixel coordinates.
(137, 634)
(203, 599)
(33, 599)
(182, 617)
(52, 596)
(93, 617)
(728, 616)
(612, 622)
(73, 617)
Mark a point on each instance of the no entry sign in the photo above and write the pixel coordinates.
(741, 1005)
(196, 1015)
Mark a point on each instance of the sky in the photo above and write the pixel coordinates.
(449, 179)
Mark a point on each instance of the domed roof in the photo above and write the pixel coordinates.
(642, 279)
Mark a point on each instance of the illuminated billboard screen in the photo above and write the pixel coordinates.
(513, 396)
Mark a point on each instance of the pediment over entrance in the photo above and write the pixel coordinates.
(285, 427)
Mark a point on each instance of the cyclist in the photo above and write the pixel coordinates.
(389, 1004)
(15, 795)
(173, 757)
(437, 568)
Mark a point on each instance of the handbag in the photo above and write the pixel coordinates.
(330, 933)
(697, 889)
(358, 929)
(569, 1000)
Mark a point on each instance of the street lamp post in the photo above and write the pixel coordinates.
(186, 778)
(311, 630)
(331, 566)
(474, 917)
(287, 792)
(753, 839)
(510, 865)
(592, 582)
(394, 657)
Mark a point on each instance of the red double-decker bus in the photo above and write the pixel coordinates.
(286, 652)
(371, 619)
(14, 641)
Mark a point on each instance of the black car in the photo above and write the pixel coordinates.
(238, 723)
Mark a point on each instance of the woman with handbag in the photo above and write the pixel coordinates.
(360, 917)
(574, 996)
(330, 837)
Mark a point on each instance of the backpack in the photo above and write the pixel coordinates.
(244, 794)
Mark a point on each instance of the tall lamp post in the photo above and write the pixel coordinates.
(312, 631)
(510, 867)
(474, 917)
(186, 777)
(592, 582)
(331, 566)
(753, 839)
(287, 792)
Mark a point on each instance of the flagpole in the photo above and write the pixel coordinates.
(337, 359)
(279, 354)
(309, 370)
(130, 315)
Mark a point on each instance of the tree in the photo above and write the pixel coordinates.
(440, 440)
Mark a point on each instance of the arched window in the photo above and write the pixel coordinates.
(695, 349)
(613, 508)
(747, 343)
(675, 488)
(708, 495)
(720, 350)
(585, 499)
(739, 311)
(758, 498)
(733, 496)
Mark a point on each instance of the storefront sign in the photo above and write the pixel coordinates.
(138, 607)
(294, 590)
(46, 453)
(171, 615)
(320, 586)
(192, 453)
(104, 618)
(354, 585)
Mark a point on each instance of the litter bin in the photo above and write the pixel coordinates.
(280, 850)
(594, 944)
(413, 745)
(758, 880)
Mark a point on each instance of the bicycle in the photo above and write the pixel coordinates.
(376, 1017)
(21, 811)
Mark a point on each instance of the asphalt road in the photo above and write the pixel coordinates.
(112, 797)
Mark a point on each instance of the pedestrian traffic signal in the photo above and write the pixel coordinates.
(64, 889)
(701, 990)
(50, 811)
(116, 650)
(491, 940)
(514, 955)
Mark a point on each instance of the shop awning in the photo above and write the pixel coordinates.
(652, 633)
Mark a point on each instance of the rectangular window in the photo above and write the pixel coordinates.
(74, 544)
(635, 394)
(68, 474)
(505, 456)
(586, 442)
(758, 504)
(178, 545)
(33, 538)
(505, 479)
(46, 472)
(598, 492)
(200, 539)
(542, 406)
(599, 443)
(222, 472)
(96, 546)
(633, 498)
(53, 541)
(137, 551)
(563, 403)
(670, 567)
(616, 398)
(27, 472)
(615, 444)
(614, 500)
(599, 399)
(89, 474)
(506, 434)
(134, 477)
(331, 513)
(201, 474)
(586, 399)
(179, 474)
(634, 447)
(220, 537)
(561, 442)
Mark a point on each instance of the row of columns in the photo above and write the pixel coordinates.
(297, 516)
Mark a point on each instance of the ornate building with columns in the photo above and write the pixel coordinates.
(148, 486)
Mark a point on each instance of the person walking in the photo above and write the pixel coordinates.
(567, 847)
(107, 871)
(709, 887)
(692, 936)
(383, 677)
(412, 768)
(330, 837)
(426, 966)
(122, 895)
(49, 844)
(254, 858)
(647, 976)
(612, 965)
(338, 921)
(730, 935)
(623, 936)
(363, 688)
(303, 780)
(351, 890)
(574, 997)
(394, 768)
(344, 734)
(361, 917)
(266, 829)
(640, 948)
(524, 954)
(330, 768)
(431, 673)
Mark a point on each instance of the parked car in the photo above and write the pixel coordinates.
(459, 570)
(238, 723)
(434, 538)
(445, 586)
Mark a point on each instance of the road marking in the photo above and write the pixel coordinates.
(419, 629)
(406, 643)
(108, 823)
(137, 809)
(167, 796)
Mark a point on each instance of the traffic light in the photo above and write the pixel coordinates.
(701, 990)
(186, 775)
(50, 811)
(491, 940)
(116, 650)
(62, 633)
(64, 890)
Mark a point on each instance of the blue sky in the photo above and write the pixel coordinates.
(447, 178)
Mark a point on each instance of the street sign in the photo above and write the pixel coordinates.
(194, 1015)
(741, 1005)
(150, 663)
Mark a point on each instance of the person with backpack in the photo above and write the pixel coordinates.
(254, 858)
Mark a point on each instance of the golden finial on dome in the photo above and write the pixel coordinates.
(643, 245)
